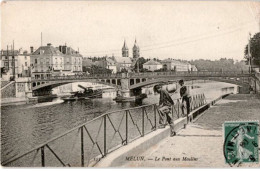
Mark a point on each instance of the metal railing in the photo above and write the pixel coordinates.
(86, 144)
(146, 74)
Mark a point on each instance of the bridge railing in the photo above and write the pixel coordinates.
(146, 74)
(86, 144)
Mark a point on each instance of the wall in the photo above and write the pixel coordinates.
(113, 68)
(58, 63)
(152, 67)
(23, 87)
(9, 91)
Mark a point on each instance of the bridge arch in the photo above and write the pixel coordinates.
(52, 84)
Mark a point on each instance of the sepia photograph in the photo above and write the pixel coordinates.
(130, 84)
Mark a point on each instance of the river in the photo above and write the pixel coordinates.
(26, 126)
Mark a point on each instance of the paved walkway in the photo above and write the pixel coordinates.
(201, 143)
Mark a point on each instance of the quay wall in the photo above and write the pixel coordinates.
(8, 91)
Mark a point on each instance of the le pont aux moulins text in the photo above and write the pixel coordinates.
(163, 158)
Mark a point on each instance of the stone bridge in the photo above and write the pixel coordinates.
(131, 83)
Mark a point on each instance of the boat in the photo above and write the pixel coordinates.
(88, 92)
(130, 99)
(74, 98)
(70, 98)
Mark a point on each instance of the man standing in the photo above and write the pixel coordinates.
(185, 97)
(165, 104)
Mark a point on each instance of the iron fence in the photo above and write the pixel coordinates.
(86, 144)
(146, 74)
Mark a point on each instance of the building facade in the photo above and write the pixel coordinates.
(46, 61)
(15, 64)
(72, 60)
(152, 65)
(175, 65)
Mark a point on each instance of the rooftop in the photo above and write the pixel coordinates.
(123, 60)
(47, 50)
(152, 62)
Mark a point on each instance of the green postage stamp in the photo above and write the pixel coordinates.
(241, 142)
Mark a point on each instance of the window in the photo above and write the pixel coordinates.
(25, 57)
(25, 63)
(35, 61)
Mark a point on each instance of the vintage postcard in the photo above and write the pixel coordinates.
(133, 84)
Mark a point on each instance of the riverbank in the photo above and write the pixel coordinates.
(201, 143)
(13, 101)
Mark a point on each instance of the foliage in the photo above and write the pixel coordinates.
(96, 70)
(140, 62)
(223, 64)
(254, 49)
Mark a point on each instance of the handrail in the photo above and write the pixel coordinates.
(106, 119)
(67, 132)
(146, 74)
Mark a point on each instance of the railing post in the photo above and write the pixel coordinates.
(126, 126)
(155, 122)
(142, 121)
(82, 146)
(43, 156)
(105, 136)
(172, 111)
(178, 108)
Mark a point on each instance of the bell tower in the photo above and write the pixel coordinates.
(125, 52)
(136, 50)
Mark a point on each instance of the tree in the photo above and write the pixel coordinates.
(96, 70)
(140, 62)
(254, 49)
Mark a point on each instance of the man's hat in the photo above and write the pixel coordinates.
(156, 87)
(181, 81)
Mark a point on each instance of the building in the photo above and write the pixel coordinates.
(72, 60)
(125, 50)
(194, 68)
(152, 65)
(136, 51)
(175, 65)
(46, 61)
(111, 64)
(15, 64)
(121, 63)
(24, 64)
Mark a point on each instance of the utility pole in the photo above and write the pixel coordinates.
(249, 54)
(13, 62)
(7, 55)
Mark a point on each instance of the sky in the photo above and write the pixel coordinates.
(186, 30)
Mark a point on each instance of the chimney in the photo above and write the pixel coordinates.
(49, 44)
(60, 48)
(64, 49)
(31, 49)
